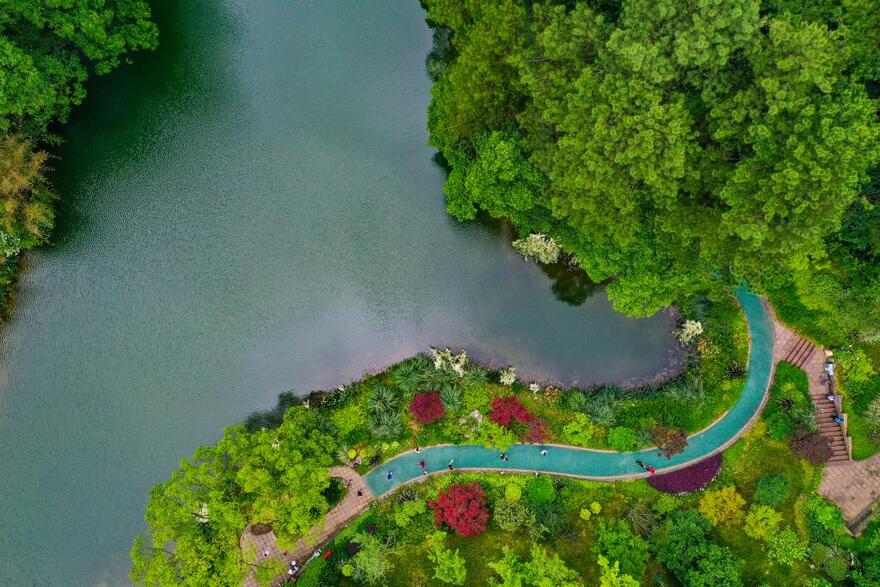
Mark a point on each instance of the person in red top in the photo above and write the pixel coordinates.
(421, 464)
(650, 469)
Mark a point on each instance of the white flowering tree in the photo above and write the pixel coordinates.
(446, 359)
(538, 246)
(508, 376)
(689, 331)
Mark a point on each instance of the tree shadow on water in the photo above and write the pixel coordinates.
(273, 417)
(571, 284)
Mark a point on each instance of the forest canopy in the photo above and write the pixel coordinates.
(667, 143)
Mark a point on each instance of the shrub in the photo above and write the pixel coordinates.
(761, 522)
(722, 506)
(451, 395)
(386, 424)
(578, 432)
(688, 479)
(513, 515)
(640, 517)
(551, 520)
(405, 512)
(856, 364)
(836, 568)
(680, 543)
(670, 441)
(427, 407)
(491, 435)
(462, 507)
(824, 520)
(786, 548)
(449, 566)
(381, 399)
(372, 562)
(810, 446)
(512, 492)
(610, 575)
(772, 489)
(537, 431)
(507, 411)
(540, 490)
(617, 542)
(621, 438)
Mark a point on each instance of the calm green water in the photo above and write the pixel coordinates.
(251, 209)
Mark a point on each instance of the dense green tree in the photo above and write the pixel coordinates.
(662, 144)
(682, 545)
(616, 542)
(48, 49)
(196, 518)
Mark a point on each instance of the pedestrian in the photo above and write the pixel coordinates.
(450, 464)
(536, 473)
(421, 464)
(544, 452)
(504, 456)
(642, 465)
(348, 483)
(266, 553)
(389, 475)
(418, 449)
(425, 473)
(838, 420)
(650, 469)
(360, 493)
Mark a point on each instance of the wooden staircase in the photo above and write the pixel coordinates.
(802, 353)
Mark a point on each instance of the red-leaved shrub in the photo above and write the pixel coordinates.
(507, 410)
(427, 407)
(688, 479)
(462, 507)
(537, 431)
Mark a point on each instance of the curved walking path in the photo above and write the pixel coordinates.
(560, 460)
(600, 464)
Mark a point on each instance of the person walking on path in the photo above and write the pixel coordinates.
(421, 464)
(645, 467)
(389, 475)
(418, 449)
(504, 457)
(544, 452)
(451, 463)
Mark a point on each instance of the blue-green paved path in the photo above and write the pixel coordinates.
(598, 464)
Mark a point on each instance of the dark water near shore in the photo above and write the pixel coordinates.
(249, 210)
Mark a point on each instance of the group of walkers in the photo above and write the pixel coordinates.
(503, 456)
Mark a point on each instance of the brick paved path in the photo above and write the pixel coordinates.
(853, 487)
(350, 506)
(802, 353)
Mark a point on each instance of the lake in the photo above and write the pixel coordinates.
(252, 209)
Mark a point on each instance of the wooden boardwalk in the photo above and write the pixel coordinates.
(352, 505)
